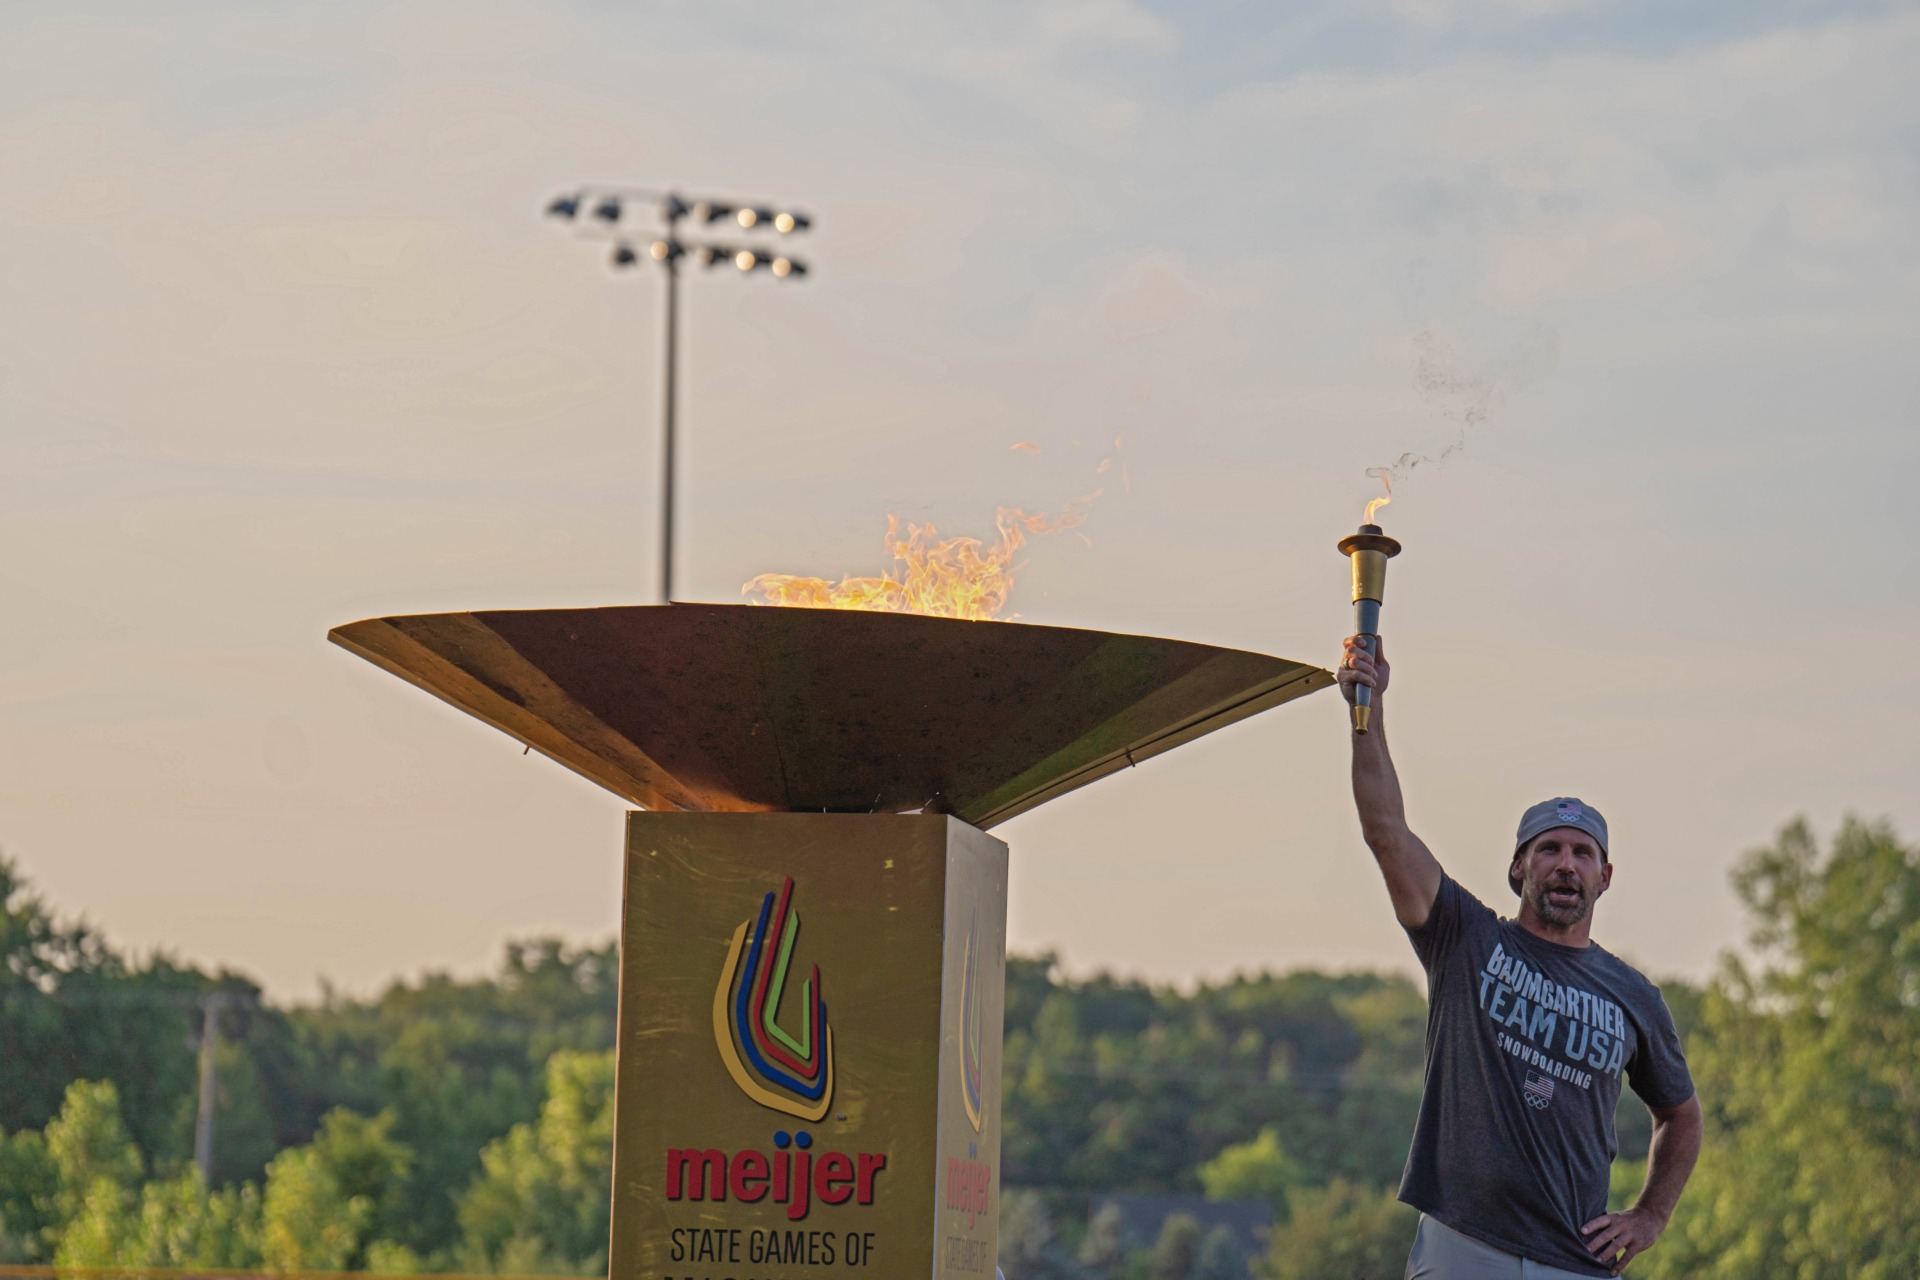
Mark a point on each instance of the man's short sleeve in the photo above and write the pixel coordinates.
(1658, 1072)
(1447, 923)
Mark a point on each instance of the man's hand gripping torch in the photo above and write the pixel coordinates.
(1369, 550)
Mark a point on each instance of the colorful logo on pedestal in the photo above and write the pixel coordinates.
(972, 1082)
(789, 1072)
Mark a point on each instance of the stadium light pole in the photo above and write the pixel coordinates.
(601, 212)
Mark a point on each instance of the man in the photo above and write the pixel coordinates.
(1530, 1027)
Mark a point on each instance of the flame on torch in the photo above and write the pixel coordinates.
(1380, 474)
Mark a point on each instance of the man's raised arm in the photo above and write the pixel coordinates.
(1411, 871)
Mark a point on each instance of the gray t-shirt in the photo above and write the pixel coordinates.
(1526, 1043)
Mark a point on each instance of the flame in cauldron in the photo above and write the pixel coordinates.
(945, 577)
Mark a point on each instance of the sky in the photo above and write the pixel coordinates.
(285, 342)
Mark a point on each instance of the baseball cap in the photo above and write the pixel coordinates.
(1561, 811)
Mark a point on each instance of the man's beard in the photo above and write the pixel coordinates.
(1562, 914)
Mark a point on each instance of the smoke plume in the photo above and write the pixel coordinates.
(1463, 400)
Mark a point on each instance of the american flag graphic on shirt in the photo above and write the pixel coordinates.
(1539, 1090)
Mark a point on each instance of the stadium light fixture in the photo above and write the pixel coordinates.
(609, 206)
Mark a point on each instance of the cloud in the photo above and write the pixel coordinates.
(1532, 183)
(1153, 298)
(1619, 253)
(1447, 13)
(1068, 27)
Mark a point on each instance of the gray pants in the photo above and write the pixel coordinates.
(1441, 1253)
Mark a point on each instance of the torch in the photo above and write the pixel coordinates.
(1369, 550)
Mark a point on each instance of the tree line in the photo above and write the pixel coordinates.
(466, 1124)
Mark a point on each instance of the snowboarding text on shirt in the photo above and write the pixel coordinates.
(1536, 1013)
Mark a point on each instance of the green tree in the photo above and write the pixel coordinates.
(308, 1221)
(93, 1156)
(367, 1164)
(180, 1224)
(1115, 1085)
(1177, 1249)
(73, 1008)
(37, 953)
(93, 1227)
(459, 1063)
(1104, 1250)
(325, 1203)
(545, 1189)
(1220, 1257)
(1029, 1247)
(1808, 1074)
(1370, 1125)
(29, 1183)
(456, 1063)
(1344, 1229)
(1256, 1170)
(173, 1222)
(102, 1215)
